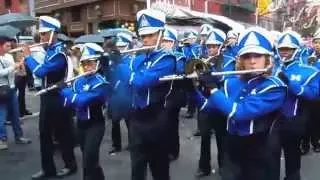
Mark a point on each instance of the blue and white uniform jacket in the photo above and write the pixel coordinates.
(121, 96)
(143, 77)
(87, 96)
(229, 58)
(54, 68)
(303, 83)
(191, 51)
(250, 106)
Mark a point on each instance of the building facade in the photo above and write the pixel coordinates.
(14, 6)
(89, 16)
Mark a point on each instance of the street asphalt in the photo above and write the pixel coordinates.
(21, 161)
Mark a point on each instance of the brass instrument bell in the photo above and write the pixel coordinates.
(197, 65)
(312, 59)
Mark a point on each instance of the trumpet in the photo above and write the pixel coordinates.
(197, 65)
(15, 50)
(195, 75)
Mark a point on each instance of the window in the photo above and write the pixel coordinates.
(90, 28)
(75, 14)
(7, 4)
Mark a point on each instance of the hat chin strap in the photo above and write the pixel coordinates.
(283, 60)
(50, 39)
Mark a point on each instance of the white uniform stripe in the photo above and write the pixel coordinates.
(225, 88)
(36, 68)
(204, 105)
(74, 97)
(234, 108)
(251, 127)
(266, 89)
(295, 107)
(310, 78)
(131, 78)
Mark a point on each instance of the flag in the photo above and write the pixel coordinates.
(262, 7)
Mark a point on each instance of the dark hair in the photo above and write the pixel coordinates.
(4, 39)
(110, 44)
(36, 38)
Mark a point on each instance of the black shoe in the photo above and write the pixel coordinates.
(189, 115)
(66, 172)
(304, 150)
(316, 148)
(23, 140)
(27, 113)
(173, 157)
(201, 173)
(114, 150)
(42, 176)
(197, 133)
(127, 148)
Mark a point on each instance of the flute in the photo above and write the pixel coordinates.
(195, 75)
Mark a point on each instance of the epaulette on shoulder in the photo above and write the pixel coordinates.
(167, 51)
(276, 81)
(308, 67)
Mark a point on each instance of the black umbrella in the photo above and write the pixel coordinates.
(8, 31)
(65, 38)
(17, 20)
(90, 38)
(113, 32)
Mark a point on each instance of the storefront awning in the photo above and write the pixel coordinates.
(183, 17)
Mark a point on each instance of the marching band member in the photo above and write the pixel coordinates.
(303, 84)
(119, 105)
(250, 102)
(114, 56)
(205, 30)
(52, 71)
(87, 96)
(148, 121)
(212, 120)
(191, 50)
(230, 51)
(311, 134)
(176, 97)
